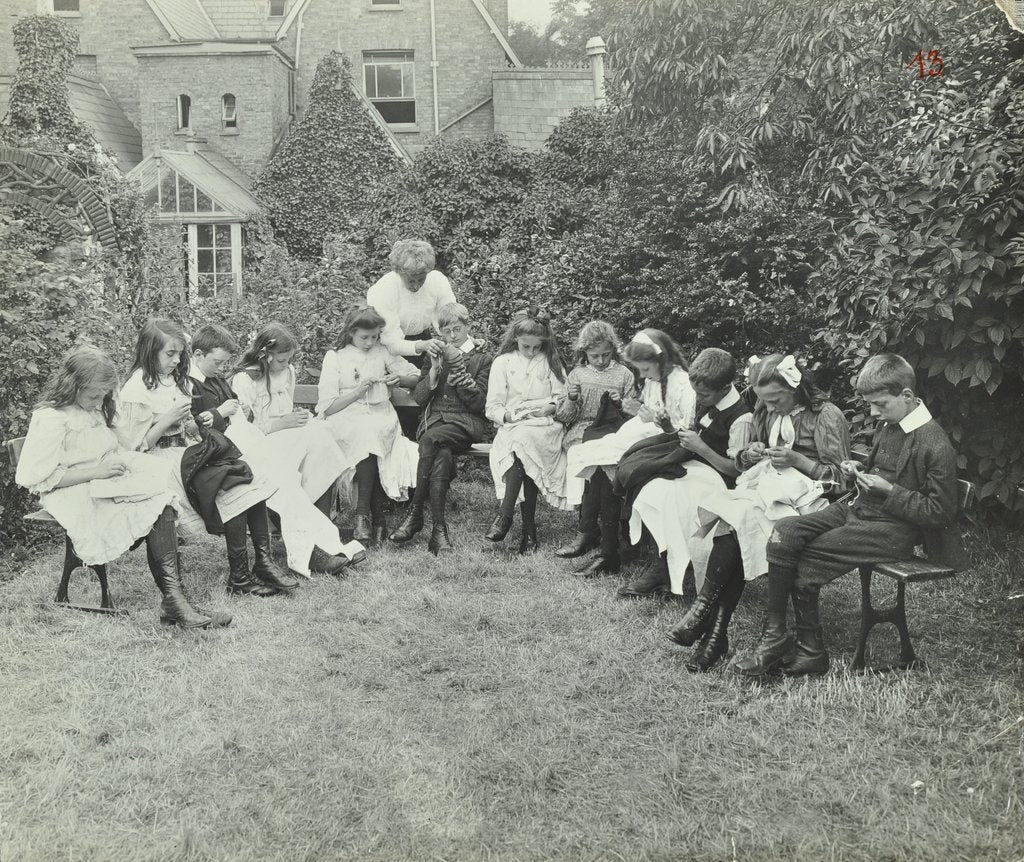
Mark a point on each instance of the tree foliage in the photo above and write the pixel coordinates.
(314, 186)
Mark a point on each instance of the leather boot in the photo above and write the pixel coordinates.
(528, 543)
(412, 524)
(322, 563)
(715, 644)
(362, 530)
(580, 544)
(599, 565)
(810, 656)
(379, 531)
(439, 542)
(240, 582)
(264, 569)
(499, 528)
(652, 581)
(162, 556)
(725, 566)
(771, 649)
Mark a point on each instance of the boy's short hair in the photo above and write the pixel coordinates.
(714, 368)
(210, 337)
(886, 372)
(453, 312)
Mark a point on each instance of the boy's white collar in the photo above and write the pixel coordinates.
(468, 345)
(730, 398)
(915, 418)
(195, 372)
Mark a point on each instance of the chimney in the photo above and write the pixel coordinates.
(596, 49)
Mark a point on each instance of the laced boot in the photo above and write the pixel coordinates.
(652, 581)
(580, 544)
(380, 531)
(265, 570)
(608, 559)
(240, 582)
(499, 527)
(528, 543)
(362, 529)
(715, 644)
(810, 656)
(162, 556)
(323, 563)
(412, 524)
(700, 616)
(439, 541)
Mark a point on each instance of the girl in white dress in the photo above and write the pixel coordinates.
(354, 397)
(154, 409)
(527, 380)
(667, 402)
(71, 452)
(266, 392)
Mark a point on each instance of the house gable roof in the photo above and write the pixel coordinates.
(93, 105)
(184, 19)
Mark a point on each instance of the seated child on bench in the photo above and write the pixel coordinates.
(906, 493)
(452, 390)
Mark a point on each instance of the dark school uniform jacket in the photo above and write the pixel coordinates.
(208, 395)
(458, 405)
(924, 491)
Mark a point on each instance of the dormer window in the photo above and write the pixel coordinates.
(278, 8)
(228, 116)
(184, 112)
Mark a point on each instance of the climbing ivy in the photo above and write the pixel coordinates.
(315, 186)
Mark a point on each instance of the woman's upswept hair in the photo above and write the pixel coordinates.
(664, 351)
(275, 337)
(358, 317)
(532, 321)
(594, 334)
(412, 257)
(807, 393)
(154, 335)
(83, 366)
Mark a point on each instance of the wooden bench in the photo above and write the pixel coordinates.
(42, 518)
(903, 572)
(306, 396)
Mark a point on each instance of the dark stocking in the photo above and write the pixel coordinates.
(514, 477)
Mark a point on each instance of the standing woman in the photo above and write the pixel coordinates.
(409, 298)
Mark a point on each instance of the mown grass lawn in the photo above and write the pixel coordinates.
(487, 707)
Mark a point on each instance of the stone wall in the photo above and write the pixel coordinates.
(529, 103)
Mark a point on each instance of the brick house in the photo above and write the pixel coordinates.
(197, 94)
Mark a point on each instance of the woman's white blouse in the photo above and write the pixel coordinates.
(680, 402)
(266, 405)
(59, 440)
(406, 311)
(514, 380)
(344, 369)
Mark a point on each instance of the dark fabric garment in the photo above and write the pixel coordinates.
(367, 481)
(514, 477)
(716, 434)
(440, 442)
(208, 395)
(441, 472)
(825, 545)
(456, 405)
(529, 504)
(725, 562)
(657, 457)
(888, 447)
(590, 508)
(609, 512)
(409, 417)
(210, 466)
(610, 418)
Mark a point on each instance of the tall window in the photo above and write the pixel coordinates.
(390, 81)
(214, 271)
(228, 116)
(278, 8)
(66, 6)
(184, 112)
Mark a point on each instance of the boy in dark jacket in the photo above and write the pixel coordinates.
(906, 494)
(452, 391)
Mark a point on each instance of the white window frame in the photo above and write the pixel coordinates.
(184, 124)
(408, 58)
(193, 256)
(225, 118)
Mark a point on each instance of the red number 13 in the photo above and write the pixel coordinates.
(934, 60)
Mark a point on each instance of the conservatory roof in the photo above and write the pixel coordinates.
(209, 172)
(184, 19)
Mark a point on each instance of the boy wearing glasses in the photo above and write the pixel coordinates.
(906, 494)
(452, 390)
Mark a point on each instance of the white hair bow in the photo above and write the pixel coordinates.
(750, 366)
(789, 372)
(643, 338)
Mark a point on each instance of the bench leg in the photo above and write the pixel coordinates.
(71, 562)
(871, 616)
(101, 573)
